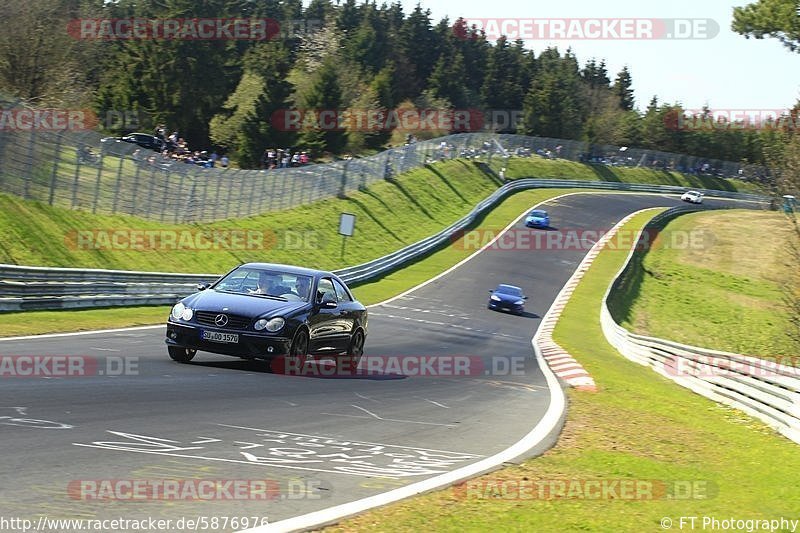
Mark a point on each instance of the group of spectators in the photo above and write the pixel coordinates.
(279, 158)
(176, 149)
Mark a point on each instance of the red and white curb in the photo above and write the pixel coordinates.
(558, 359)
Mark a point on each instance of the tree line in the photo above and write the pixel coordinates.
(349, 56)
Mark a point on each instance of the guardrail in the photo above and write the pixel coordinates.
(29, 288)
(767, 390)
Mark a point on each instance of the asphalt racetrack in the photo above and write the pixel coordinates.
(444, 383)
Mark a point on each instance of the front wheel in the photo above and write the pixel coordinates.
(180, 354)
(295, 361)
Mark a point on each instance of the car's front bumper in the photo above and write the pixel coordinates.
(537, 223)
(505, 306)
(250, 345)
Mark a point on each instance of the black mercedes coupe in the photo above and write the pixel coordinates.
(270, 311)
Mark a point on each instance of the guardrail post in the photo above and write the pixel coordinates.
(228, 199)
(152, 184)
(54, 174)
(216, 197)
(291, 193)
(75, 183)
(343, 183)
(163, 202)
(118, 183)
(263, 178)
(135, 188)
(29, 173)
(271, 194)
(177, 207)
(97, 181)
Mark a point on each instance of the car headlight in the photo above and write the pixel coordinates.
(187, 314)
(519, 302)
(495, 298)
(272, 325)
(177, 310)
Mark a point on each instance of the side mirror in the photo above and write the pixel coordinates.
(202, 286)
(329, 301)
(524, 297)
(491, 292)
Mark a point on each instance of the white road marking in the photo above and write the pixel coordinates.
(19, 410)
(366, 397)
(105, 349)
(366, 411)
(434, 403)
(314, 453)
(393, 420)
(78, 333)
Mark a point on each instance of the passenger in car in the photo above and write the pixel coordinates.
(302, 287)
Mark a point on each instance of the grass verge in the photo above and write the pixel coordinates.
(639, 426)
(718, 282)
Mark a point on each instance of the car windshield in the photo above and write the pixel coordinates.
(508, 289)
(267, 283)
(538, 213)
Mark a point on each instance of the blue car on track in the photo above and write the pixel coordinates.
(538, 218)
(507, 298)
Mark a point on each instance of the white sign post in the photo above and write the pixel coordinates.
(347, 226)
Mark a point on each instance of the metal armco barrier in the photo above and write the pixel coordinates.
(26, 288)
(767, 390)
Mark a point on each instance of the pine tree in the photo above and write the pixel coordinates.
(623, 89)
(325, 94)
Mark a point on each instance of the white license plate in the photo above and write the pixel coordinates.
(216, 336)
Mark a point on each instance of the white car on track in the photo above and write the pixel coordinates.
(692, 197)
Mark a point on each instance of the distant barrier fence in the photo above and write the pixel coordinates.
(27, 288)
(105, 175)
(767, 390)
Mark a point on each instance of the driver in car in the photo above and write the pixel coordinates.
(266, 284)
